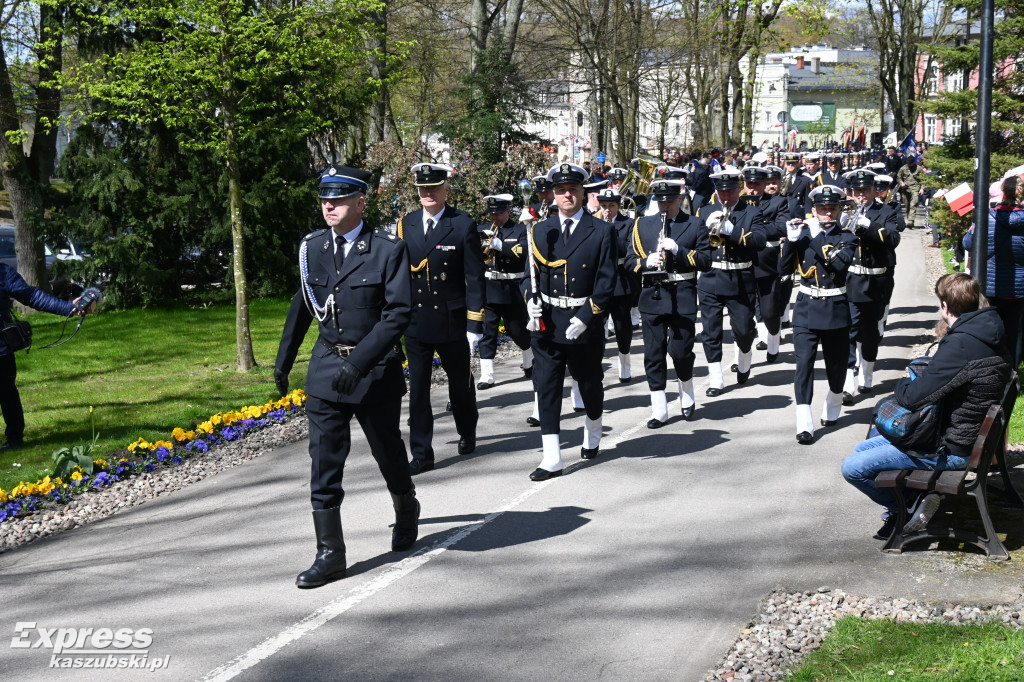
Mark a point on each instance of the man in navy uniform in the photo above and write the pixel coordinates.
(833, 173)
(820, 251)
(545, 198)
(626, 282)
(736, 233)
(883, 185)
(795, 185)
(447, 265)
(575, 256)
(505, 256)
(355, 281)
(670, 248)
(877, 230)
(772, 292)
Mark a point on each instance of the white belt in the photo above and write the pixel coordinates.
(563, 301)
(774, 245)
(494, 274)
(729, 265)
(861, 270)
(818, 292)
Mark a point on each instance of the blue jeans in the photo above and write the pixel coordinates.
(877, 454)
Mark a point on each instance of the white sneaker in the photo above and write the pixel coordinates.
(923, 513)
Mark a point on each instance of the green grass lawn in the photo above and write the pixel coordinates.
(144, 372)
(861, 649)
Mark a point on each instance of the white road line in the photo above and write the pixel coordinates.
(333, 609)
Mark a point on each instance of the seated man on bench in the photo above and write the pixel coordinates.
(968, 373)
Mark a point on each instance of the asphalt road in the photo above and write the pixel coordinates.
(642, 564)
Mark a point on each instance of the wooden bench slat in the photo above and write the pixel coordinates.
(951, 482)
(892, 478)
(921, 479)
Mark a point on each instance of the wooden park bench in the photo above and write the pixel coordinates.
(971, 483)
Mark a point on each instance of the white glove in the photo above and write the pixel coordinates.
(473, 339)
(654, 261)
(526, 216)
(863, 221)
(496, 243)
(669, 244)
(794, 228)
(576, 328)
(814, 226)
(534, 308)
(727, 227)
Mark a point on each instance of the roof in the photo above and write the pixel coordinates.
(858, 76)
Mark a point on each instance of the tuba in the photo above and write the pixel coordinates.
(638, 182)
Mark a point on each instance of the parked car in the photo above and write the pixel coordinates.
(60, 285)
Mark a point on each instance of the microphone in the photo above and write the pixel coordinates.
(89, 296)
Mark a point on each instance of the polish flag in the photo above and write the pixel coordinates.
(960, 199)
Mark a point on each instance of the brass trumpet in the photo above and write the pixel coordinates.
(852, 216)
(715, 231)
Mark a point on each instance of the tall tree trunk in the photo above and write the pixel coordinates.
(243, 337)
(508, 45)
(478, 30)
(23, 188)
(378, 56)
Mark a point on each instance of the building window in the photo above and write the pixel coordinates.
(955, 81)
(932, 82)
(951, 127)
(930, 134)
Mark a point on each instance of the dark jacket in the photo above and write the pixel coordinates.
(626, 280)
(968, 373)
(806, 256)
(689, 233)
(582, 269)
(1005, 252)
(372, 311)
(510, 259)
(447, 276)
(13, 286)
(747, 239)
(873, 252)
(775, 213)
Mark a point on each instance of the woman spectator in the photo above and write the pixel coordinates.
(1005, 285)
(968, 373)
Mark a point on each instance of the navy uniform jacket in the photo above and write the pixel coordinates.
(747, 238)
(690, 234)
(775, 213)
(901, 224)
(796, 187)
(372, 309)
(807, 257)
(873, 251)
(447, 276)
(510, 259)
(626, 281)
(583, 268)
(837, 180)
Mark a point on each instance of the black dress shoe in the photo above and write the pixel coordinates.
(847, 398)
(713, 392)
(761, 345)
(625, 380)
(688, 412)
(467, 445)
(741, 377)
(12, 445)
(887, 528)
(528, 372)
(418, 466)
(579, 409)
(448, 407)
(864, 389)
(532, 421)
(804, 438)
(786, 325)
(653, 423)
(771, 357)
(734, 367)
(543, 474)
(484, 385)
(829, 422)
(589, 453)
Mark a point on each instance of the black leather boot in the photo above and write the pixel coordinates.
(330, 550)
(407, 518)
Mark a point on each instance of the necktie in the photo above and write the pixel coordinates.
(339, 253)
(565, 231)
(430, 225)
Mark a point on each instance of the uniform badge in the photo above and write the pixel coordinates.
(444, 276)
(565, 168)
(426, 168)
(333, 171)
(361, 245)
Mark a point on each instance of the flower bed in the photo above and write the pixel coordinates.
(146, 457)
